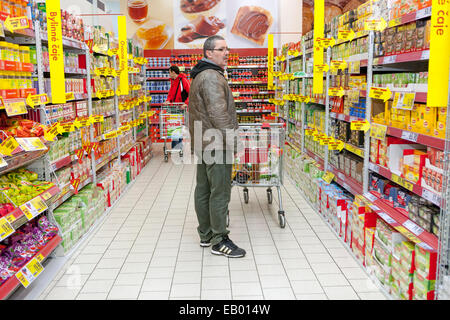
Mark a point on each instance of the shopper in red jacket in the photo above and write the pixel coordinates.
(179, 92)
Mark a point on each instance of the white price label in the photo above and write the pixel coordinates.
(332, 114)
(410, 136)
(374, 208)
(386, 217)
(414, 228)
(389, 59)
(53, 167)
(31, 144)
(432, 197)
(425, 246)
(423, 13)
(374, 167)
(341, 176)
(370, 197)
(425, 55)
(341, 116)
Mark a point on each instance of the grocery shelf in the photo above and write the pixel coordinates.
(69, 70)
(13, 283)
(68, 43)
(62, 162)
(70, 193)
(250, 66)
(159, 91)
(353, 186)
(124, 150)
(318, 159)
(105, 160)
(410, 17)
(253, 92)
(401, 222)
(160, 79)
(403, 57)
(157, 68)
(431, 141)
(344, 117)
(17, 218)
(355, 150)
(294, 145)
(259, 111)
(21, 159)
(247, 82)
(251, 100)
(415, 188)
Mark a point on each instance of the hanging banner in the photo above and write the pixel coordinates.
(123, 55)
(439, 54)
(55, 51)
(270, 61)
(319, 21)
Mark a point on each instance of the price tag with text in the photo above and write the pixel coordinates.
(31, 144)
(33, 208)
(386, 217)
(328, 177)
(34, 100)
(70, 96)
(16, 108)
(431, 196)
(404, 100)
(410, 136)
(414, 228)
(27, 274)
(378, 131)
(18, 23)
(370, 197)
(5, 229)
(399, 180)
(96, 119)
(360, 125)
(346, 35)
(8, 146)
(375, 25)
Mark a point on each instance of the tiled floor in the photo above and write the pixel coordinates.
(148, 248)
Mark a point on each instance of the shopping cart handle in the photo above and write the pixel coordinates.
(265, 126)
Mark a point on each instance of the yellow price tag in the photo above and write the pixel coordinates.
(378, 131)
(360, 125)
(321, 68)
(110, 135)
(328, 177)
(70, 96)
(33, 207)
(5, 229)
(346, 35)
(16, 108)
(404, 183)
(31, 144)
(18, 23)
(8, 146)
(380, 93)
(34, 100)
(96, 119)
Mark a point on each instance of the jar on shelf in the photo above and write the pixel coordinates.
(15, 51)
(3, 50)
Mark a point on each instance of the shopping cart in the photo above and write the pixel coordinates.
(261, 162)
(171, 123)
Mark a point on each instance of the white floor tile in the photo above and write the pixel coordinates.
(185, 290)
(331, 280)
(92, 296)
(159, 272)
(274, 281)
(157, 284)
(278, 294)
(124, 292)
(129, 279)
(216, 294)
(97, 286)
(216, 283)
(185, 277)
(341, 293)
(306, 287)
(246, 289)
(155, 295)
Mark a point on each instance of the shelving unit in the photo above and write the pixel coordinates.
(73, 146)
(366, 63)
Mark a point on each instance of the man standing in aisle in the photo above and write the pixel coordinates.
(212, 114)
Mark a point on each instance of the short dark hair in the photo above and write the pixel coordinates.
(210, 43)
(174, 69)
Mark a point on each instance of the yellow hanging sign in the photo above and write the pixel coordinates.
(336, 92)
(321, 68)
(18, 23)
(338, 64)
(319, 22)
(360, 125)
(55, 51)
(123, 55)
(34, 100)
(439, 54)
(375, 25)
(380, 93)
(16, 108)
(270, 61)
(346, 35)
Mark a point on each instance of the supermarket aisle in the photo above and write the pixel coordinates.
(147, 248)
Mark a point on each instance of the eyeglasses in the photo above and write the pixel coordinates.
(221, 49)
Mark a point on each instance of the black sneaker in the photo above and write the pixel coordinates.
(228, 249)
(205, 243)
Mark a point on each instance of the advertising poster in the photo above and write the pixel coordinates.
(185, 24)
(332, 9)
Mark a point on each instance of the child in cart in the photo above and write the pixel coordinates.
(179, 92)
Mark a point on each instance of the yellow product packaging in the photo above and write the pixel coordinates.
(427, 119)
(441, 123)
